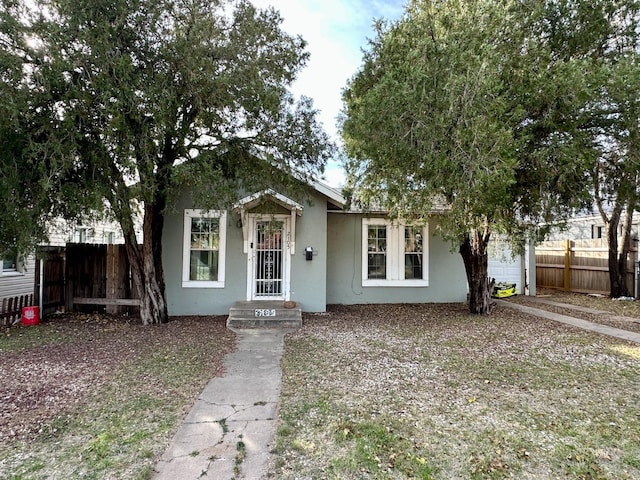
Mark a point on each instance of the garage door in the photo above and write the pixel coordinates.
(502, 266)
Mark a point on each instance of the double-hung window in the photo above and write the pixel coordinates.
(203, 258)
(394, 254)
(10, 265)
(81, 235)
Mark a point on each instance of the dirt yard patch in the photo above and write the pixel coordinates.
(428, 391)
(98, 396)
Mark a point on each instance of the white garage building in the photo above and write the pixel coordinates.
(519, 269)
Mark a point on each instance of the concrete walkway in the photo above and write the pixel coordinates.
(229, 432)
(576, 322)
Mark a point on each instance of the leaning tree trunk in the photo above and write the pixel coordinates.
(146, 259)
(476, 264)
(618, 259)
(153, 304)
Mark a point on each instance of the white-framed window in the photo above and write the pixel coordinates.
(204, 247)
(11, 265)
(109, 237)
(81, 235)
(394, 254)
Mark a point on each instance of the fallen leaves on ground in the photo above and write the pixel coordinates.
(50, 368)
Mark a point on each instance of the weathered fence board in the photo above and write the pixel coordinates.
(99, 276)
(578, 266)
(89, 276)
(11, 308)
(119, 280)
(133, 302)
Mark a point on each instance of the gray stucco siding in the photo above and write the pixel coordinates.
(308, 277)
(307, 280)
(201, 301)
(447, 280)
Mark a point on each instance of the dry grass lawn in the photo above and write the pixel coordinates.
(428, 391)
(369, 392)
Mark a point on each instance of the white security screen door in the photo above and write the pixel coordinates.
(270, 260)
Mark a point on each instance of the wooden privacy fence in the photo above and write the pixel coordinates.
(99, 276)
(578, 266)
(77, 277)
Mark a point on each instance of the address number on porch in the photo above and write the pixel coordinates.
(265, 312)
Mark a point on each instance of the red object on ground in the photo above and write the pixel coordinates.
(30, 315)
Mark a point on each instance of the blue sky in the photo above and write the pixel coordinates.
(336, 31)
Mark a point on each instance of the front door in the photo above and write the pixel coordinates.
(269, 260)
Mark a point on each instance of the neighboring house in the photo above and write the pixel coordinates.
(17, 276)
(590, 226)
(103, 231)
(270, 247)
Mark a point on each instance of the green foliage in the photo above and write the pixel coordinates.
(483, 105)
(491, 110)
(37, 181)
(241, 448)
(117, 102)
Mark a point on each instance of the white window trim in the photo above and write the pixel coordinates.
(186, 248)
(395, 255)
(19, 271)
(80, 232)
(11, 273)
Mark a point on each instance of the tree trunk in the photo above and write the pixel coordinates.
(618, 260)
(144, 270)
(476, 264)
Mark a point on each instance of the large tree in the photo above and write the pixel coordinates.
(616, 171)
(480, 104)
(31, 172)
(142, 99)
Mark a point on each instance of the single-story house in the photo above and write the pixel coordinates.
(270, 247)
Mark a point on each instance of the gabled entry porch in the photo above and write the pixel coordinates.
(269, 238)
(264, 314)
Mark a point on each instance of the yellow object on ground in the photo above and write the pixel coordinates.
(503, 290)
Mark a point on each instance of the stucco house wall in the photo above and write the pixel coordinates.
(447, 279)
(201, 301)
(333, 274)
(308, 283)
(308, 277)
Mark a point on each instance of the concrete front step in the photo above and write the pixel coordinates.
(264, 314)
